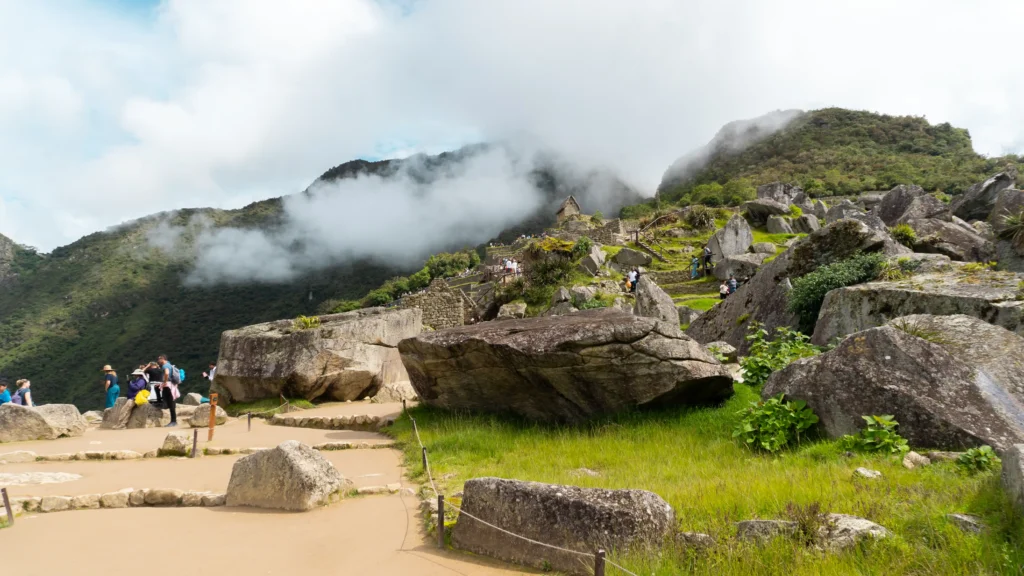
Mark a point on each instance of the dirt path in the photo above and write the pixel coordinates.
(376, 535)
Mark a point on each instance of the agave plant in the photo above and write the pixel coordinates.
(1013, 228)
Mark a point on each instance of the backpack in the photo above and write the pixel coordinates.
(176, 375)
(17, 399)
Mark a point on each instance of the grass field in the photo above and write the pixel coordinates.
(690, 458)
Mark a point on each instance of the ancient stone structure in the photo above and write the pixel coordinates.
(570, 207)
(565, 516)
(347, 357)
(442, 307)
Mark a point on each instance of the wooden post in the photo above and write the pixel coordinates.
(424, 458)
(440, 521)
(599, 563)
(403, 405)
(7, 506)
(250, 421)
(213, 415)
(195, 441)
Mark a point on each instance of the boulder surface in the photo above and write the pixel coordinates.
(952, 382)
(580, 519)
(292, 476)
(734, 238)
(201, 417)
(47, 422)
(653, 302)
(1013, 475)
(348, 357)
(979, 200)
(564, 368)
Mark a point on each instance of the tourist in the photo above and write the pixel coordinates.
(110, 385)
(631, 280)
(732, 283)
(23, 396)
(155, 376)
(213, 371)
(5, 396)
(636, 279)
(170, 389)
(707, 258)
(694, 267)
(137, 384)
(723, 290)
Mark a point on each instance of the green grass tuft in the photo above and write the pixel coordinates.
(241, 408)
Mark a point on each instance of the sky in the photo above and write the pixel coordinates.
(112, 110)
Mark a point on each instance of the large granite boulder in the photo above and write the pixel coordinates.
(1008, 203)
(758, 211)
(65, 419)
(631, 258)
(896, 201)
(394, 392)
(1013, 475)
(779, 225)
(952, 382)
(592, 262)
(740, 266)
(201, 417)
(984, 294)
(653, 302)
(511, 310)
(844, 209)
(192, 399)
(49, 422)
(779, 192)
(580, 519)
(734, 238)
(1010, 256)
(147, 416)
(926, 207)
(687, 314)
(805, 224)
(348, 357)
(962, 244)
(764, 297)
(176, 444)
(292, 476)
(979, 200)
(563, 368)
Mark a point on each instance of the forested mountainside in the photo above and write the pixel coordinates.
(833, 151)
(112, 297)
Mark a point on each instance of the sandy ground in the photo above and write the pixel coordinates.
(376, 535)
(207, 473)
(234, 434)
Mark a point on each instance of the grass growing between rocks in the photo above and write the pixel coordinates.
(264, 406)
(690, 458)
(703, 304)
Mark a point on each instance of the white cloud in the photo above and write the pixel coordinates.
(107, 117)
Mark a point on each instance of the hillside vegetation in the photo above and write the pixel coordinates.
(834, 152)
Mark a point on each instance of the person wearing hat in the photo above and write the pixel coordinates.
(136, 383)
(110, 385)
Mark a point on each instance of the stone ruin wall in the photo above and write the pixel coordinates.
(442, 307)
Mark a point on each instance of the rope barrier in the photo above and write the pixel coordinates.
(433, 487)
(286, 403)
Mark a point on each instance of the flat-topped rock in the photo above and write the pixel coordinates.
(48, 422)
(565, 368)
(292, 476)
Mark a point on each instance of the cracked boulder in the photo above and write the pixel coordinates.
(979, 200)
(347, 357)
(564, 368)
(952, 382)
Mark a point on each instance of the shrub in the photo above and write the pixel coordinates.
(700, 217)
(795, 211)
(581, 248)
(918, 331)
(378, 297)
(306, 322)
(943, 197)
(345, 306)
(1013, 228)
(890, 271)
(773, 424)
(977, 460)
(879, 436)
(636, 211)
(420, 280)
(904, 234)
(597, 218)
(812, 523)
(809, 290)
(446, 265)
(767, 356)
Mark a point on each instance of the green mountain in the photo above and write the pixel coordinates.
(114, 298)
(833, 152)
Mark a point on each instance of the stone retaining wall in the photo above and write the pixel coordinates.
(442, 307)
(362, 422)
(26, 456)
(126, 498)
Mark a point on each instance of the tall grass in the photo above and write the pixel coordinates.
(690, 459)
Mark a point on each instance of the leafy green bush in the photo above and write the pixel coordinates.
(306, 322)
(977, 460)
(879, 436)
(767, 356)
(810, 289)
(636, 211)
(904, 234)
(344, 306)
(582, 247)
(943, 197)
(700, 217)
(597, 218)
(773, 424)
(795, 211)
(420, 280)
(446, 265)
(378, 297)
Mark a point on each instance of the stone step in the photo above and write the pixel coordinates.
(361, 422)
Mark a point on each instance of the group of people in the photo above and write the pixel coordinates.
(696, 261)
(22, 394)
(155, 382)
(511, 266)
(727, 287)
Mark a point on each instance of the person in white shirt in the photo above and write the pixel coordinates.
(213, 371)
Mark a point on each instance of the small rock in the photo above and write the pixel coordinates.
(116, 499)
(18, 457)
(192, 499)
(966, 522)
(212, 500)
(193, 399)
(163, 497)
(580, 472)
(940, 456)
(176, 444)
(85, 502)
(763, 530)
(845, 531)
(395, 487)
(370, 490)
(763, 248)
(695, 540)
(137, 498)
(867, 473)
(151, 454)
(723, 348)
(54, 504)
(122, 455)
(913, 460)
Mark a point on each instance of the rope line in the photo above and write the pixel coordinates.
(462, 512)
(287, 403)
